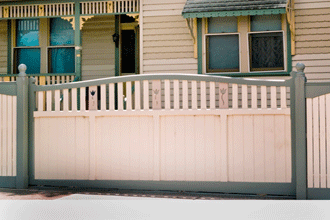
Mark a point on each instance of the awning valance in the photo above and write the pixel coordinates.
(222, 8)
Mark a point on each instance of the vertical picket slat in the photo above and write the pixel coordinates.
(57, 100)
(244, 97)
(40, 101)
(1, 125)
(263, 97)
(176, 94)
(137, 95)
(10, 136)
(49, 100)
(120, 96)
(58, 79)
(145, 94)
(212, 95)
(323, 179)
(316, 143)
(74, 99)
(283, 97)
(203, 95)
(254, 97)
(273, 97)
(328, 137)
(65, 100)
(129, 95)
(103, 97)
(82, 99)
(14, 134)
(167, 95)
(4, 135)
(111, 96)
(185, 94)
(235, 96)
(194, 94)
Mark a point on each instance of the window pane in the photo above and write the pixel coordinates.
(222, 53)
(267, 51)
(266, 23)
(62, 60)
(31, 58)
(61, 32)
(27, 33)
(222, 24)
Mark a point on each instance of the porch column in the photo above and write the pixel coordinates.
(77, 39)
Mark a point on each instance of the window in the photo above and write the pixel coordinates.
(39, 40)
(222, 45)
(27, 48)
(61, 52)
(244, 44)
(266, 43)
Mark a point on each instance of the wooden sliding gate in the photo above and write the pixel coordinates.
(174, 132)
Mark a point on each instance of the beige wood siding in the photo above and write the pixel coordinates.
(312, 37)
(167, 44)
(3, 47)
(98, 53)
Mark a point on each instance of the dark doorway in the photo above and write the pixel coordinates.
(128, 51)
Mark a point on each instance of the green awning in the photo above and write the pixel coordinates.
(222, 8)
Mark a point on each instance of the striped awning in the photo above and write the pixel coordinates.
(222, 8)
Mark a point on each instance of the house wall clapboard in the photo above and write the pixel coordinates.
(312, 37)
(3, 47)
(167, 43)
(98, 54)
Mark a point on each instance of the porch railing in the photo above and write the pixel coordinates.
(43, 79)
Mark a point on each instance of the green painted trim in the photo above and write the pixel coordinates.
(117, 58)
(300, 139)
(289, 55)
(318, 194)
(164, 77)
(200, 46)
(261, 74)
(234, 13)
(32, 108)
(226, 187)
(317, 89)
(9, 47)
(7, 181)
(8, 88)
(22, 180)
(77, 39)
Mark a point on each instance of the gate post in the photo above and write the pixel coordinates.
(300, 132)
(22, 128)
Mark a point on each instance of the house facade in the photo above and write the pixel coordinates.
(97, 39)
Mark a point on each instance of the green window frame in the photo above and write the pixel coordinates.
(26, 45)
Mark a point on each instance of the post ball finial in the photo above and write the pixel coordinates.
(22, 68)
(300, 67)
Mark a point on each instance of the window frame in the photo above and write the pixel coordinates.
(245, 69)
(284, 52)
(15, 48)
(49, 47)
(44, 49)
(205, 52)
